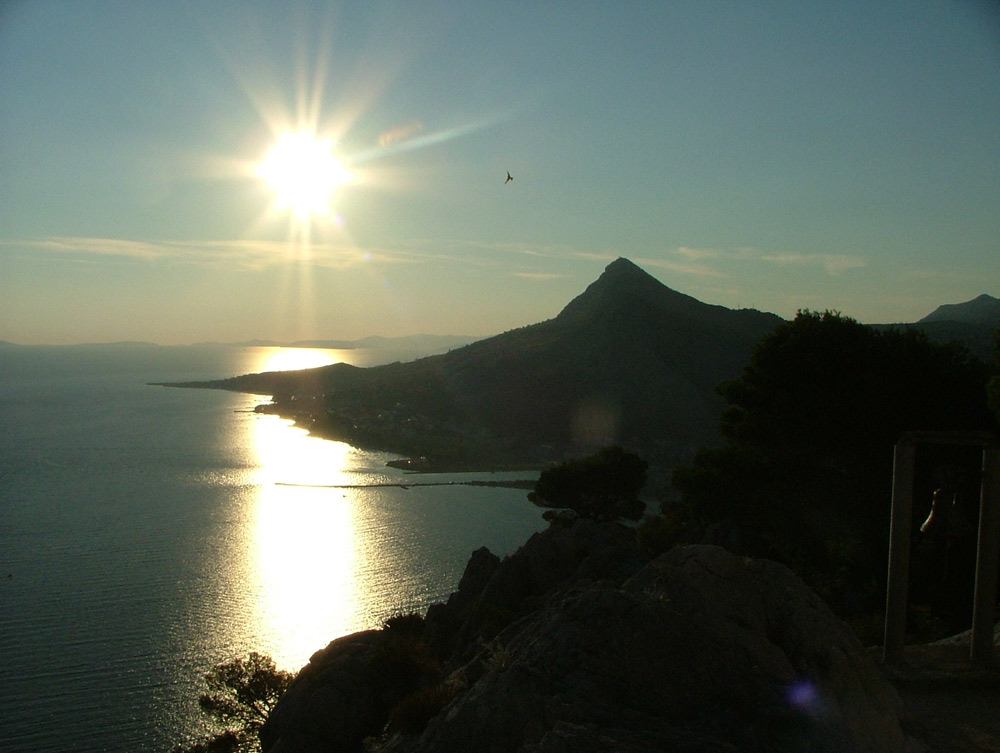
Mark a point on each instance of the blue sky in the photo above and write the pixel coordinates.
(775, 155)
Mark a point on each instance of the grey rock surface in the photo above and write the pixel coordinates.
(572, 644)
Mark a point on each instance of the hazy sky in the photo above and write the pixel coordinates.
(776, 155)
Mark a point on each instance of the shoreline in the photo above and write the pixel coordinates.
(454, 455)
(510, 484)
(423, 465)
(409, 461)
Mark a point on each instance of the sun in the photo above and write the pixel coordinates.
(304, 173)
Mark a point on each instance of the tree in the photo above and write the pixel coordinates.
(805, 474)
(604, 486)
(993, 388)
(241, 693)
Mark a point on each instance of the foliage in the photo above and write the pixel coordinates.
(660, 533)
(241, 693)
(411, 715)
(993, 388)
(604, 486)
(411, 673)
(843, 382)
(805, 474)
(411, 623)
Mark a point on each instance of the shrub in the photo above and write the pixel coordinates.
(604, 486)
(241, 693)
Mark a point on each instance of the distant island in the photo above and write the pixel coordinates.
(629, 361)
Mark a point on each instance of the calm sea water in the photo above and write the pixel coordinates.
(147, 533)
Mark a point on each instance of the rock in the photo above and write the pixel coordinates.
(699, 651)
(478, 571)
(445, 620)
(768, 605)
(346, 692)
(577, 642)
(549, 560)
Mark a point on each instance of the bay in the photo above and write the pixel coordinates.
(147, 533)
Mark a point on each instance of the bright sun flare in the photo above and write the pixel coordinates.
(303, 172)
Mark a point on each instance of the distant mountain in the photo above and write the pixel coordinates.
(984, 309)
(426, 344)
(973, 324)
(629, 361)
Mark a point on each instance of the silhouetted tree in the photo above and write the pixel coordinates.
(805, 474)
(241, 693)
(604, 486)
(993, 389)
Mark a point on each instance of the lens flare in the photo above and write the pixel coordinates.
(805, 696)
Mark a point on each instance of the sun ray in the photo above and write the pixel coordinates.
(302, 171)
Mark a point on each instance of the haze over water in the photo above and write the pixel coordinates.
(147, 533)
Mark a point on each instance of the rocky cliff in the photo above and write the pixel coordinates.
(578, 642)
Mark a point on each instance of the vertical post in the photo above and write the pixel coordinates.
(987, 560)
(897, 582)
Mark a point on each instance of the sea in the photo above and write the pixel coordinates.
(148, 533)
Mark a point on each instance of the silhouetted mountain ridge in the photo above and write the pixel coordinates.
(973, 324)
(983, 309)
(628, 361)
(417, 343)
(622, 285)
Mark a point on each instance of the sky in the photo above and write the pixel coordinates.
(181, 172)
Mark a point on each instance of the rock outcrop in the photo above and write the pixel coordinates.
(345, 692)
(574, 643)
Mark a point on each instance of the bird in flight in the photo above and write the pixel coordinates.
(509, 178)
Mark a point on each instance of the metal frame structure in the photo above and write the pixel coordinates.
(984, 607)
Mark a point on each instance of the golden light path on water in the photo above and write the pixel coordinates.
(277, 358)
(304, 554)
(304, 549)
(319, 539)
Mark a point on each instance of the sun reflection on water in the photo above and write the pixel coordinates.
(332, 541)
(304, 541)
(304, 551)
(274, 358)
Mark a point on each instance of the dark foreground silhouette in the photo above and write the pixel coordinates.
(580, 641)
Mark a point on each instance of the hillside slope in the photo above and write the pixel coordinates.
(983, 310)
(628, 361)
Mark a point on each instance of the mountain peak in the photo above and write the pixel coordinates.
(623, 283)
(629, 361)
(983, 309)
(621, 266)
(622, 271)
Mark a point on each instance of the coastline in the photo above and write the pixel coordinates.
(419, 454)
(506, 484)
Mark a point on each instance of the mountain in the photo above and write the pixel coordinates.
(984, 309)
(425, 344)
(973, 324)
(628, 361)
